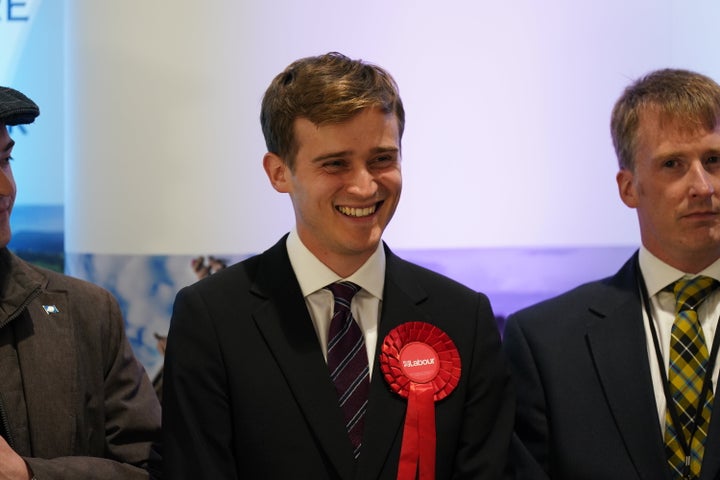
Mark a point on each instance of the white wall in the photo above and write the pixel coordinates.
(508, 105)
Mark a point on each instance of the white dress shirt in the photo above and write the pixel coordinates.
(659, 275)
(313, 276)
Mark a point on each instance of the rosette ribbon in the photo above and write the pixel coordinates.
(420, 363)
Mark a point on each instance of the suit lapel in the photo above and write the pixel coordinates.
(286, 325)
(386, 411)
(618, 347)
(48, 361)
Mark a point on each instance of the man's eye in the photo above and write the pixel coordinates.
(714, 159)
(333, 164)
(670, 163)
(384, 160)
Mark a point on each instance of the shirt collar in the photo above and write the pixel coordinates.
(313, 275)
(658, 274)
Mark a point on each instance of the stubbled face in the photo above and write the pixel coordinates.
(674, 188)
(7, 185)
(345, 185)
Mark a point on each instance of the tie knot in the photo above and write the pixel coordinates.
(690, 292)
(343, 292)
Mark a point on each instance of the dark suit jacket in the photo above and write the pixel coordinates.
(586, 407)
(248, 395)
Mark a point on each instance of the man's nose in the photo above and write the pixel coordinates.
(701, 181)
(362, 183)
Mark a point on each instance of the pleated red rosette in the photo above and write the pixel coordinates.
(421, 363)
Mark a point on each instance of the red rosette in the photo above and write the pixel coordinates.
(399, 337)
(420, 363)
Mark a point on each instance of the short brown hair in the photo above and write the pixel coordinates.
(325, 89)
(689, 99)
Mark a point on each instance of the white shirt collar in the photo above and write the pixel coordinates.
(314, 275)
(658, 274)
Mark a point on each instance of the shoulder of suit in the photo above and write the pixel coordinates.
(60, 281)
(52, 281)
(569, 304)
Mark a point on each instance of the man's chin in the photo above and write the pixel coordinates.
(361, 250)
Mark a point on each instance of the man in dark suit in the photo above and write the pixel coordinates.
(615, 378)
(248, 389)
(75, 404)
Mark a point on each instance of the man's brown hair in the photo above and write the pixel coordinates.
(324, 89)
(689, 100)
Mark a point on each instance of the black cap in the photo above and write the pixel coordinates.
(16, 108)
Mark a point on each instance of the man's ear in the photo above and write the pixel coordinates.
(277, 171)
(627, 188)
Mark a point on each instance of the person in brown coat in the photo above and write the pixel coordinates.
(74, 401)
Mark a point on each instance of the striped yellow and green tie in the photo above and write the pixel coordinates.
(686, 372)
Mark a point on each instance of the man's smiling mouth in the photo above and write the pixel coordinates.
(358, 211)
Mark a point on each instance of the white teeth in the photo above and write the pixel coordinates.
(357, 212)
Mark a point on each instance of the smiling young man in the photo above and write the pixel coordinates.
(249, 391)
(616, 378)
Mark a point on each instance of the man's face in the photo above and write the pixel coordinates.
(344, 187)
(674, 187)
(7, 185)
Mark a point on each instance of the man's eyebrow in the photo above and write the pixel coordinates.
(345, 153)
(670, 154)
(392, 149)
(327, 156)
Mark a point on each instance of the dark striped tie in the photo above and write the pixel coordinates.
(686, 372)
(347, 361)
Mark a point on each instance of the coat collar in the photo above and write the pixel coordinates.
(617, 344)
(285, 323)
(46, 349)
(19, 284)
